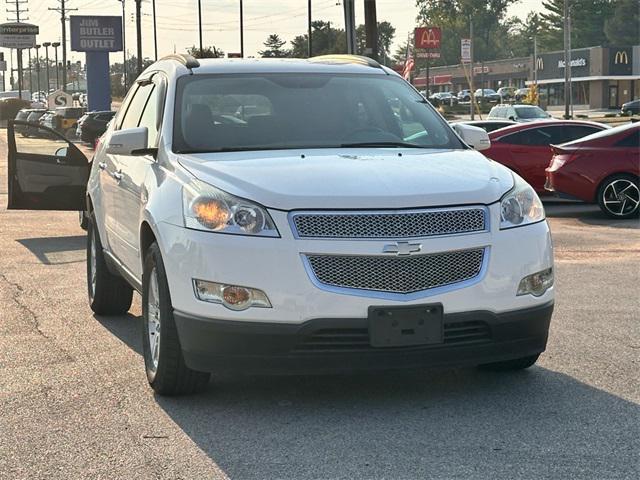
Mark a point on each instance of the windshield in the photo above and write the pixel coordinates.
(296, 110)
(531, 112)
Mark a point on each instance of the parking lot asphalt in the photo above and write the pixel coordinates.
(74, 401)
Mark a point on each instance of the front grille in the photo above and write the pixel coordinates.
(357, 339)
(390, 225)
(397, 274)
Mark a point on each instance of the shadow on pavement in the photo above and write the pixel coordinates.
(57, 250)
(586, 213)
(447, 423)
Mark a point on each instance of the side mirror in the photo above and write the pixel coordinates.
(512, 118)
(61, 152)
(475, 137)
(130, 141)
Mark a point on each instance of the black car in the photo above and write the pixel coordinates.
(22, 116)
(93, 124)
(33, 118)
(631, 108)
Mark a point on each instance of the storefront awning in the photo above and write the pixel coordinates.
(585, 79)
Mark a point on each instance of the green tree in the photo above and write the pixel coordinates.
(588, 19)
(522, 34)
(453, 17)
(273, 47)
(325, 39)
(623, 27)
(207, 52)
(386, 34)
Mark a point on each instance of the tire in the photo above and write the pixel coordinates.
(166, 370)
(619, 196)
(108, 294)
(510, 365)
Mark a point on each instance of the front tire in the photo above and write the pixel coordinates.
(108, 294)
(510, 365)
(619, 196)
(166, 370)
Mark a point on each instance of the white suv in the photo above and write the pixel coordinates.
(299, 215)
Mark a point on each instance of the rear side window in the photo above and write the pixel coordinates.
(573, 132)
(134, 111)
(632, 140)
(532, 136)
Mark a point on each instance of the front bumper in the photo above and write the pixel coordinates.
(341, 345)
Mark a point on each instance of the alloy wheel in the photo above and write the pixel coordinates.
(621, 197)
(92, 264)
(153, 319)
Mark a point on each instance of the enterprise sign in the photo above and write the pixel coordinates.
(96, 33)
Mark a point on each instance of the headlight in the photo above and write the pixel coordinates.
(208, 208)
(520, 206)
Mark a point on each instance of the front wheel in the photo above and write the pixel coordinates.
(166, 370)
(619, 196)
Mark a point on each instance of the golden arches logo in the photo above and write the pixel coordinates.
(540, 63)
(621, 57)
(429, 38)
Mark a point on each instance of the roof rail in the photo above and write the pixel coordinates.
(185, 59)
(340, 59)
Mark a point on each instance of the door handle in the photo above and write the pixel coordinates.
(117, 175)
(102, 165)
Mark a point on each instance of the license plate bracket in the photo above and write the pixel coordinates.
(406, 326)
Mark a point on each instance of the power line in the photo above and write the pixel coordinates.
(62, 10)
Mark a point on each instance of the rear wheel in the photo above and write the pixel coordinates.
(515, 364)
(619, 196)
(166, 370)
(108, 294)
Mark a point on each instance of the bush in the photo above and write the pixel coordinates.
(9, 107)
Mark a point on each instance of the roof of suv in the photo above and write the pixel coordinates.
(352, 64)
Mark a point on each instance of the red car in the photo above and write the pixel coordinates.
(603, 168)
(526, 147)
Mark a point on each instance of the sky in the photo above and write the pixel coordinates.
(177, 21)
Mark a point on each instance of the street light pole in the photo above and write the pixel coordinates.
(567, 61)
(38, 69)
(55, 45)
(124, 46)
(241, 30)
(310, 31)
(46, 46)
(139, 34)
(200, 24)
(29, 70)
(155, 31)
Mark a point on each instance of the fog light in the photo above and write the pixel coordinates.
(233, 297)
(537, 283)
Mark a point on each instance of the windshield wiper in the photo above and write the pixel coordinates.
(381, 145)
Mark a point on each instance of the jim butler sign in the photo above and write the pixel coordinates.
(96, 33)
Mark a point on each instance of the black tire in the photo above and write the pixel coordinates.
(510, 365)
(170, 375)
(606, 194)
(110, 294)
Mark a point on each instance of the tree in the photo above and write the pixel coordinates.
(273, 47)
(386, 33)
(453, 16)
(588, 19)
(326, 40)
(522, 34)
(623, 27)
(207, 52)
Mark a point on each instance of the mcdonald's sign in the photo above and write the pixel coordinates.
(539, 63)
(620, 61)
(427, 37)
(621, 57)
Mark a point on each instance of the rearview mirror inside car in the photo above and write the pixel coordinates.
(475, 137)
(130, 141)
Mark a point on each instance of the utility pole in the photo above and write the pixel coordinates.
(241, 30)
(155, 31)
(309, 31)
(29, 70)
(535, 68)
(124, 46)
(38, 69)
(567, 61)
(62, 10)
(199, 24)
(371, 29)
(350, 25)
(139, 35)
(17, 13)
(471, 91)
(46, 46)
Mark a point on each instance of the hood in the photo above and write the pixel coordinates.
(358, 178)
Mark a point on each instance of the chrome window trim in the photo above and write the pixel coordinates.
(292, 225)
(403, 297)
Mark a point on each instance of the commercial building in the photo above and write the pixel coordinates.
(601, 77)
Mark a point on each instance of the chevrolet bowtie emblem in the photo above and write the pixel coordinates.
(402, 248)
